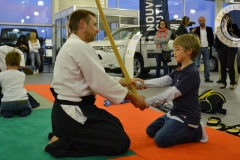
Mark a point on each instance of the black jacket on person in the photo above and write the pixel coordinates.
(210, 37)
(181, 30)
(19, 43)
(235, 28)
(219, 46)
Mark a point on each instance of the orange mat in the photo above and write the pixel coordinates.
(221, 146)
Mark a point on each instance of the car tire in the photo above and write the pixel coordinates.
(213, 64)
(138, 66)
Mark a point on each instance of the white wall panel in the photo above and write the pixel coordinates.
(64, 4)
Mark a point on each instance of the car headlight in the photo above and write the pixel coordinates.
(107, 48)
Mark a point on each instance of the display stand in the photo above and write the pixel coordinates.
(49, 53)
(130, 52)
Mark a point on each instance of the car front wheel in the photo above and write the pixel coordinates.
(213, 64)
(138, 66)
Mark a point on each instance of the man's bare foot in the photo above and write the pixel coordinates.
(53, 139)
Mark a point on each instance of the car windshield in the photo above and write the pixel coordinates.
(124, 33)
(13, 34)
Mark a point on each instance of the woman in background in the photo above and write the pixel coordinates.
(34, 45)
(227, 54)
(161, 40)
(23, 46)
(182, 29)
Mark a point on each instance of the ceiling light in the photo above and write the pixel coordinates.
(175, 16)
(40, 3)
(36, 13)
(22, 20)
(192, 11)
(27, 17)
(176, 3)
(43, 31)
(15, 30)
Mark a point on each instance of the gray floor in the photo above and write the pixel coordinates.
(232, 96)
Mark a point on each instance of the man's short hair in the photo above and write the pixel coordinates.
(13, 58)
(76, 16)
(188, 41)
(201, 17)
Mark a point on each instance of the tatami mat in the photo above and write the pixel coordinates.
(24, 138)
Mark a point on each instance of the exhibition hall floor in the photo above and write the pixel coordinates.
(28, 136)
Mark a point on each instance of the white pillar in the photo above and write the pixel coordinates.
(218, 6)
(106, 4)
(55, 6)
(55, 9)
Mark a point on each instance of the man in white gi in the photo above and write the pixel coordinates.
(4, 51)
(79, 127)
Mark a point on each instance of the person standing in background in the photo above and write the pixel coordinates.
(207, 40)
(23, 46)
(161, 40)
(227, 55)
(235, 69)
(34, 45)
(235, 32)
(182, 29)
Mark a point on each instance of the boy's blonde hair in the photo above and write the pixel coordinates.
(13, 58)
(188, 41)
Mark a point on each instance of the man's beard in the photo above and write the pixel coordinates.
(89, 37)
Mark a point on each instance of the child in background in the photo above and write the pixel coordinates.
(15, 99)
(182, 123)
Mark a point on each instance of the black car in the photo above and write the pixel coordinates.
(9, 37)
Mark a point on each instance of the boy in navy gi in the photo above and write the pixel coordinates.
(182, 123)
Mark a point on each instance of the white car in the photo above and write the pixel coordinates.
(144, 58)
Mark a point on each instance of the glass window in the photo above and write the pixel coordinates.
(26, 11)
(112, 21)
(129, 4)
(197, 8)
(112, 3)
(125, 33)
(175, 9)
(129, 20)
